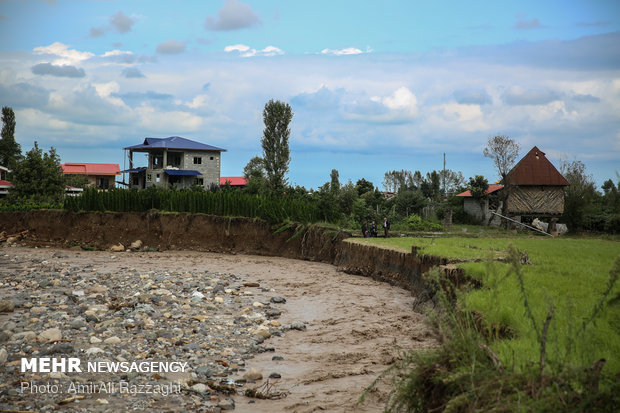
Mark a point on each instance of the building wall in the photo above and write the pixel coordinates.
(535, 200)
(208, 166)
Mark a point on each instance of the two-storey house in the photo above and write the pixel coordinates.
(175, 162)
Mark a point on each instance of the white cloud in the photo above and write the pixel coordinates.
(117, 52)
(66, 56)
(237, 48)
(344, 52)
(246, 51)
(171, 122)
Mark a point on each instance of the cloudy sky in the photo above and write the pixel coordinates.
(374, 86)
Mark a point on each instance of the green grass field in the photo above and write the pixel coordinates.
(569, 274)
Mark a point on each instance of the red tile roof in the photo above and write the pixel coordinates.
(492, 188)
(535, 169)
(90, 168)
(5, 183)
(233, 180)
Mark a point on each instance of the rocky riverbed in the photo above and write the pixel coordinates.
(236, 329)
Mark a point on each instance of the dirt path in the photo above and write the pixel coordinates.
(355, 326)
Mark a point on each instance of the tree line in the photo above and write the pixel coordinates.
(406, 196)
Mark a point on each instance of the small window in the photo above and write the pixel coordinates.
(197, 160)
(136, 180)
(149, 177)
(158, 161)
(157, 178)
(212, 158)
(199, 181)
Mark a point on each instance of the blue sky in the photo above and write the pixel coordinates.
(374, 86)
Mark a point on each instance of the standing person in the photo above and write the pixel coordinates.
(386, 226)
(364, 230)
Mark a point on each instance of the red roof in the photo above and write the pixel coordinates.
(535, 169)
(233, 180)
(492, 188)
(90, 168)
(5, 183)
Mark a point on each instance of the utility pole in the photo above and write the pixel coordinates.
(444, 176)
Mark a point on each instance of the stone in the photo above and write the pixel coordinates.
(24, 336)
(277, 300)
(94, 350)
(101, 402)
(275, 376)
(3, 355)
(251, 284)
(7, 306)
(77, 293)
(298, 325)
(77, 323)
(219, 300)
(49, 335)
(253, 375)
(112, 340)
(198, 294)
(204, 371)
(136, 245)
(257, 304)
(227, 404)
(200, 388)
(277, 358)
(117, 248)
(59, 348)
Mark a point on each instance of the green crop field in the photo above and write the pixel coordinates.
(569, 275)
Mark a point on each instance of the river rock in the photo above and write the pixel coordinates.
(278, 300)
(227, 404)
(137, 244)
(51, 334)
(3, 356)
(117, 248)
(7, 306)
(253, 375)
(112, 340)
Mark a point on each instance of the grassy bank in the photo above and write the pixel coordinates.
(552, 296)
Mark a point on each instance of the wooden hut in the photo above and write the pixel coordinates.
(534, 187)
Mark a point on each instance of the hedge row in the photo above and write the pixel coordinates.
(223, 203)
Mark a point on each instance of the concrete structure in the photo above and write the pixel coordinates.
(175, 162)
(100, 175)
(481, 208)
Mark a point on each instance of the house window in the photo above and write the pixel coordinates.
(197, 160)
(149, 178)
(158, 161)
(136, 180)
(103, 183)
(199, 181)
(174, 160)
(157, 178)
(212, 158)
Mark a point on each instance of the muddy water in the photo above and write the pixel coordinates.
(356, 328)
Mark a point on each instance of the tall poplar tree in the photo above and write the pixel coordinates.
(10, 151)
(276, 153)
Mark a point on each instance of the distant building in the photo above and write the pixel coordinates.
(234, 181)
(4, 184)
(100, 175)
(480, 209)
(175, 162)
(533, 188)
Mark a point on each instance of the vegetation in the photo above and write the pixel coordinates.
(224, 203)
(10, 151)
(276, 153)
(38, 177)
(542, 333)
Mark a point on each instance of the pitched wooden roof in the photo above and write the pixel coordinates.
(535, 169)
(492, 188)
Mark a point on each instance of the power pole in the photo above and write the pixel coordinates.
(444, 176)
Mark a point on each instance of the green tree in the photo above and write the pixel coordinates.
(255, 168)
(363, 186)
(275, 142)
(39, 176)
(578, 196)
(478, 185)
(76, 181)
(10, 151)
(334, 181)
